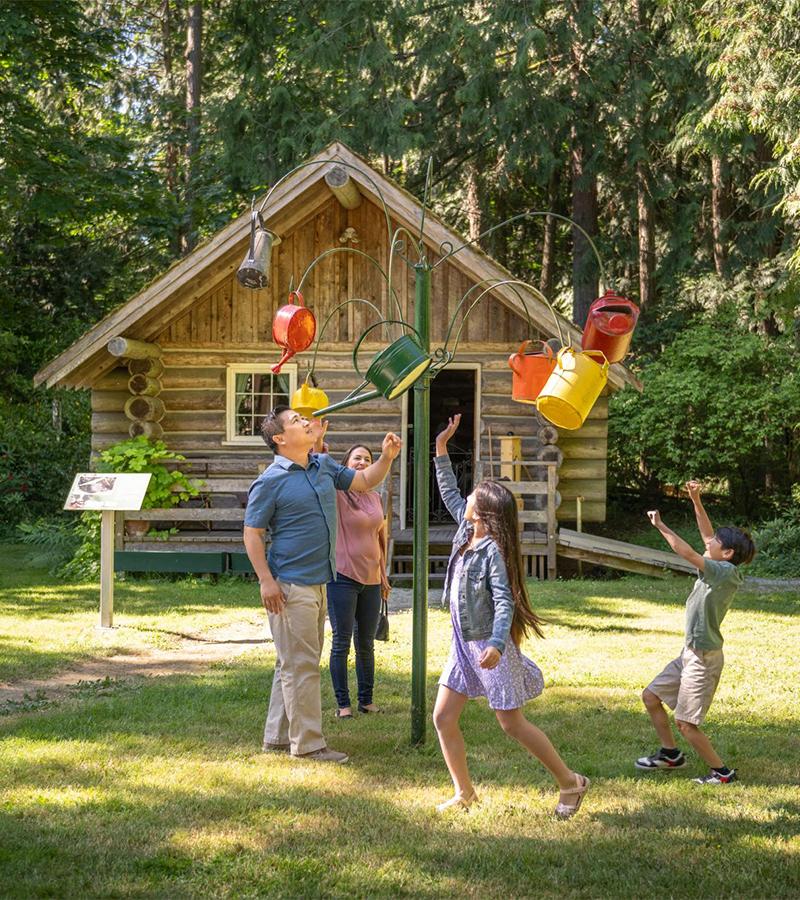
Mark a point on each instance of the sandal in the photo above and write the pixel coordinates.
(459, 801)
(343, 715)
(364, 709)
(564, 810)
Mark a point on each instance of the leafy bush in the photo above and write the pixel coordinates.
(38, 459)
(721, 403)
(141, 454)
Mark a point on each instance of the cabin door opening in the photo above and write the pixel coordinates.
(454, 390)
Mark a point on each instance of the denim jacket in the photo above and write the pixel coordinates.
(485, 604)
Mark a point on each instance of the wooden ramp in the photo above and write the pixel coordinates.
(603, 551)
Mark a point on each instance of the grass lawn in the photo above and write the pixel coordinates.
(159, 789)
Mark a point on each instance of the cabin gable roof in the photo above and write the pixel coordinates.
(188, 280)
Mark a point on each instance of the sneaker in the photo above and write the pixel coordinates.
(660, 761)
(275, 748)
(325, 754)
(715, 777)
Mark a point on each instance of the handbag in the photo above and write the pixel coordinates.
(382, 628)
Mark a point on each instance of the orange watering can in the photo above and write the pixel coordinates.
(531, 371)
(575, 384)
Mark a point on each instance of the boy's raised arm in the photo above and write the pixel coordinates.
(703, 522)
(677, 543)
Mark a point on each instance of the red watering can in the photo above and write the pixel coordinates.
(293, 328)
(609, 326)
(531, 371)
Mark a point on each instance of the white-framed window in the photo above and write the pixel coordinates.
(252, 391)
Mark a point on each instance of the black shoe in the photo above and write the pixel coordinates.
(715, 777)
(660, 761)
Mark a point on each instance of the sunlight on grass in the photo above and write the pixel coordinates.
(161, 789)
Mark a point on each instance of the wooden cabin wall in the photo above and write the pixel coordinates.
(231, 324)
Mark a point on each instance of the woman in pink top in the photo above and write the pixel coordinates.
(354, 596)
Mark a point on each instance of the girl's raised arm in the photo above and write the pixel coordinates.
(445, 477)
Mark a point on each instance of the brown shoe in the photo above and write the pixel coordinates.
(275, 748)
(325, 754)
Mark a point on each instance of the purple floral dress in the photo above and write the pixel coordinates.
(514, 680)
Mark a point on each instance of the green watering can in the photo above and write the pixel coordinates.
(393, 371)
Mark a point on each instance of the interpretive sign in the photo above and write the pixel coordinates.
(107, 490)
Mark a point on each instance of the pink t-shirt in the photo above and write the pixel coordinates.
(359, 553)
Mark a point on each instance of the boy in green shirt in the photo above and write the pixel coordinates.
(688, 683)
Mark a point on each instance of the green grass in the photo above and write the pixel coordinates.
(46, 625)
(160, 789)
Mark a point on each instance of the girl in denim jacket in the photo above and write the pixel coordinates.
(491, 615)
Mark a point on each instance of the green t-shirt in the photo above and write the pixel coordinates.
(711, 597)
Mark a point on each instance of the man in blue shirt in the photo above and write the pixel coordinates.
(295, 498)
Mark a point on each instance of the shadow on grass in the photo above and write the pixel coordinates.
(99, 811)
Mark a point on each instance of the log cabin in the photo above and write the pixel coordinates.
(188, 360)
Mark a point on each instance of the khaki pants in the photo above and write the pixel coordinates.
(295, 704)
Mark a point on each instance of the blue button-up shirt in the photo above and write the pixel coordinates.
(298, 506)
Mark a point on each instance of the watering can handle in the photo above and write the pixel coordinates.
(300, 301)
(375, 325)
(603, 361)
(255, 222)
(521, 352)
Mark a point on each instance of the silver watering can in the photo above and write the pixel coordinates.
(254, 271)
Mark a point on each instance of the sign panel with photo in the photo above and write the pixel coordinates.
(107, 490)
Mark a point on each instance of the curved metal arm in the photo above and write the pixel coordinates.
(484, 293)
(325, 325)
(525, 215)
(330, 162)
(392, 292)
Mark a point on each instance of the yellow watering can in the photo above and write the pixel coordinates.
(307, 400)
(572, 389)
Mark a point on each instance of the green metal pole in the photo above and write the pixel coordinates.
(422, 429)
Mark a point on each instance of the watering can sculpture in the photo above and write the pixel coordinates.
(392, 371)
(254, 271)
(293, 328)
(308, 400)
(531, 371)
(609, 326)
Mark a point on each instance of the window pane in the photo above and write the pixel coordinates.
(244, 404)
(262, 384)
(262, 404)
(244, 383)
(244, 425)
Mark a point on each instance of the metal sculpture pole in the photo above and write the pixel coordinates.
(422, 430)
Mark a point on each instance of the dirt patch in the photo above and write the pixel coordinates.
(193, 653)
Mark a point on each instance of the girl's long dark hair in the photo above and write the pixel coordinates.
(497, 509)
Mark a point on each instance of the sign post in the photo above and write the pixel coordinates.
(107, 492)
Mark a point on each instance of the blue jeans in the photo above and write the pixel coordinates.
(353, 609)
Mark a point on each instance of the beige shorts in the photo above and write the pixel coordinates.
(687, 685)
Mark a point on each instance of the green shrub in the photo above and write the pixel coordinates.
(722, 404)
(140, 454)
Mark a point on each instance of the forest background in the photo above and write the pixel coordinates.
(668, 129)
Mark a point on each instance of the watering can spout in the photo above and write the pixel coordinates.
(347, 402)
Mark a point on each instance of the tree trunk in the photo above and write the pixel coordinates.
(647, 246)
(718, 214)
(472, 201)
(547, 275)
(194, 77)
(171, 150)
(584, 184)
(584, 213)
